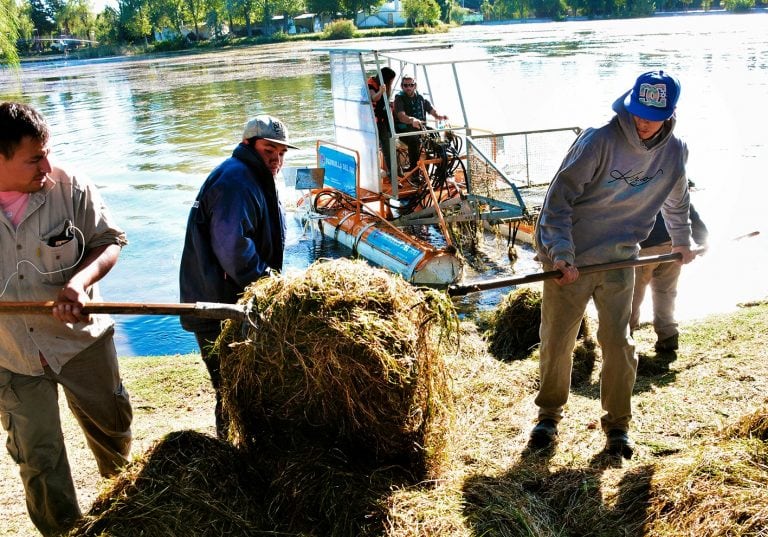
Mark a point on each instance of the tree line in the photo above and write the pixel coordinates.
(28, 26)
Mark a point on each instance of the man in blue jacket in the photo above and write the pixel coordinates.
(601, 203)
(235, 234)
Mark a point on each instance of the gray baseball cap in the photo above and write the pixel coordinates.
(268, 128)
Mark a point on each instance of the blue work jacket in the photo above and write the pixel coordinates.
(235, 234)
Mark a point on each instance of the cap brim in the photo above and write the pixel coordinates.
(618, 104)
(281, 142)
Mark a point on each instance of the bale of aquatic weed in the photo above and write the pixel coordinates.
(584, 357)
(187, 484)
(343, 356)
(321, 491)
(716, 489)
(513, 327)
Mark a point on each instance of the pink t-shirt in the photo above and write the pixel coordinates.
(14, 205)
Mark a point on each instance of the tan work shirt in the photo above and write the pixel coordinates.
(38, 258)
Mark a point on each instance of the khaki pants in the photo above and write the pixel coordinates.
(662, 278)
(30, 415)
(562, 309)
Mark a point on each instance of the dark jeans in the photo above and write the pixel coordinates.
(211, 359)
(385, 142)
(414, 147)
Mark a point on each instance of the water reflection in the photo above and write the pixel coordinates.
(149, 130)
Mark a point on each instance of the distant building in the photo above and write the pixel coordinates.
(388, 15)
(279, 22)
(308, 23)
(204, 31)
(165, 34)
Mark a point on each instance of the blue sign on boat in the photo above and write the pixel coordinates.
(340, 169)
(393, 246)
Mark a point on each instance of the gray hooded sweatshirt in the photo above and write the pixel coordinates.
(604, 198)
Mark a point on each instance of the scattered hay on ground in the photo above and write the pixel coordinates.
(715, 486)
(527, 501)
(187, 484)
(347, 357)
(714, 491)
(754, 425)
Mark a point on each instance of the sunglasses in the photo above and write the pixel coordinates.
(405, 85)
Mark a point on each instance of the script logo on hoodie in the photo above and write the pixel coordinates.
(633, 178)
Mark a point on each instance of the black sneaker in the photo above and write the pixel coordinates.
(667, 344)
(544, 434)
(619, 444)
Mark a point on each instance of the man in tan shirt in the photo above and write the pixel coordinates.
(57, 240)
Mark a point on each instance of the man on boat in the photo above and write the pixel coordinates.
(57, 240)
(379, 94)
(411, 109)
(600, 205)
(235, 234)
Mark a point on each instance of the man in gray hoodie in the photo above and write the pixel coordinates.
(600, 205)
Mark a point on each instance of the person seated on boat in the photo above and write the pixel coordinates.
(411, 109)
(379, 94)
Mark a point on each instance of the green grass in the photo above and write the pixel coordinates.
(181, 377)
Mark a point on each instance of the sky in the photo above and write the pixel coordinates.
(99, 5)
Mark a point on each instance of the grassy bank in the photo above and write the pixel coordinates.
(183, 46)
(695, 471)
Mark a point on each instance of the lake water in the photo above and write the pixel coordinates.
(148, 131)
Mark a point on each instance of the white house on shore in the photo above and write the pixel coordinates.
(388, 15)
(306, 23)
(205, 31)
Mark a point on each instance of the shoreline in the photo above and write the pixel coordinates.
(362, 34)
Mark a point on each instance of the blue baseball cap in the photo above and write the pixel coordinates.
(653, 97)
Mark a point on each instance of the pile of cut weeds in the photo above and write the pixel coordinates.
(699, 424)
